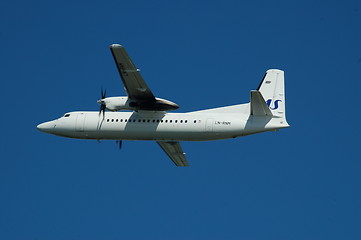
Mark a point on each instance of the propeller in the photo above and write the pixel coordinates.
(102, 103)
(103, 106)
(119, 142)
(102, 110)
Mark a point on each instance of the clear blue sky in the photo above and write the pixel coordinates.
(303, 182)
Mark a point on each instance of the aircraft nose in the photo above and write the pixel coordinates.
(47, 127)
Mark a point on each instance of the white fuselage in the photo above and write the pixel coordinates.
(161, 126)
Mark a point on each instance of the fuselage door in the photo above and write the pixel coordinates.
(79, 125)
(209, 125)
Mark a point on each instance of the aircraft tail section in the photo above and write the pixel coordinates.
(269, 99)
(258, 105)
(272, 89)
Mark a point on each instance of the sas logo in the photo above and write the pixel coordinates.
(275, 104)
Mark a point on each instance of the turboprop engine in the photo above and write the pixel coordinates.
(125, 103)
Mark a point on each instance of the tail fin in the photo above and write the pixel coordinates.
(272, 89)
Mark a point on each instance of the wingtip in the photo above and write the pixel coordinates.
(115, 45)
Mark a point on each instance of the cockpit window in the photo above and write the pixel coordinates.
(67, 115)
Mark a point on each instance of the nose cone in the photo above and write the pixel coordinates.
(47, 127)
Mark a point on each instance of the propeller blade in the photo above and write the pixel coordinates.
(103, 93)
(102, 110)
(102, 104)
(119, 142)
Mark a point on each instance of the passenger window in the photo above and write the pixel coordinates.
(121, 120)
(176, 121)
(181, 121)
(157, 120)
(143, 120)
(107, 120)
(148, 120)
(117, 120)
(166, 121)
(125, 120)
(186, 121)
(170, 121)
(195, 121)
(161, 120)
(153, 120)
(112, 120)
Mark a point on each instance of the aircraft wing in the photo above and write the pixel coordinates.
(134, 84)
(175, 152)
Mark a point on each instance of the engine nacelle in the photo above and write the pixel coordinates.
(115, 103)
(125, 103)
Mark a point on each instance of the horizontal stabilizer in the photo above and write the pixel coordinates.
(259, 106)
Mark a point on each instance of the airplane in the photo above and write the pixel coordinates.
(149, 117)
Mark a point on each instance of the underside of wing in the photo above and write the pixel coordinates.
(134, 84)
(139, 94)
(174, 152)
